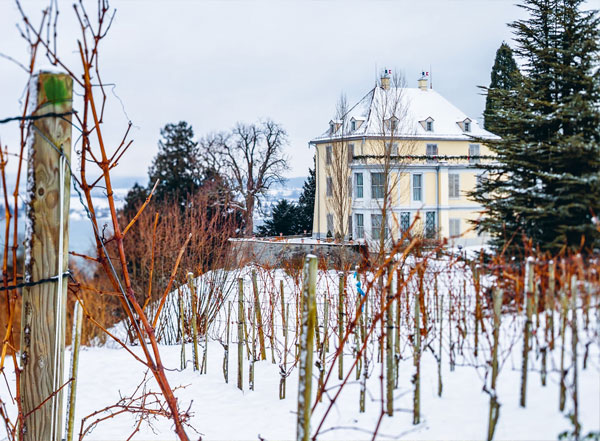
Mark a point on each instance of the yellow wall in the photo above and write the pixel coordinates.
(402, 194)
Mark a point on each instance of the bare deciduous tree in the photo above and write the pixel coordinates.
(252, 157)
(338, 158)
(395, 141)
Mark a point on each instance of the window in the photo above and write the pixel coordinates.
(377, 185)
(330, 224)
(467, 126)
(474, 153)
(328, 154)
(358, 181)
(392, 148)
(331, 128)
(431, 150)
(404, 221)
(393, 124)
(350, 152)
(454, 227)
(350, 226)
(429, 224)
(353, 125)
(329, 186)
(417, 187)
(360, 226)
(376, 221)
(453, 185)
(429, 126)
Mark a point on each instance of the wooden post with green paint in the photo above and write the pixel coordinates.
(47, 254)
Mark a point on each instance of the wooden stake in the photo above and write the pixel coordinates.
(226, 352)
(182, 326)
(529, 277)
(47, 251)
(75, 344)
(240, 370)
(306, 347)
(258, 314)
(494, 405)
(341, 329)
(194, 302)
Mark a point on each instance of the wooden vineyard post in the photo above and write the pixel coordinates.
(550, 301)
(564, 309)
(253, 358)
(259, 323)
(272, 317)
(190, 280)
(75, 344)
(529, 276)
(306, 347)
(477, 307)
(399, 283)
(494, 405)
(284, 322)
(389, 346)
(441, 331)
(226, 354)
(182, 326)
(417, 351)
(341, 329)
(575, 390)
(47, 251)
(240, 370)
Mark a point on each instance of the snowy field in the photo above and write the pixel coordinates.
(221, 411)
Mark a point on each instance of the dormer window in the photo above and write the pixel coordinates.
(465, 125)
(353, 125)
(331, 128)
(427, 124)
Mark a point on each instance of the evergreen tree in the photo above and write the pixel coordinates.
(134, 199)
(546, 183)
(306, 204)
(177, 164)
(283, 220)
(505, 76)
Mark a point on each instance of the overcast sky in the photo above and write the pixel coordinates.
(213, 63)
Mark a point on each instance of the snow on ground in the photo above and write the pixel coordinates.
(223, 412)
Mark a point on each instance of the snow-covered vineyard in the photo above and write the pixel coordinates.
(436, 384)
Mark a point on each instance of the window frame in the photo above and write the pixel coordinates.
(454, 187)
(377, 194)
(360, 226)
(454, 227)
(328, 154)
(413, 187)
(359, 190)
(471, 154)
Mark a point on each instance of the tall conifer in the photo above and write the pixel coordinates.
(546, 183)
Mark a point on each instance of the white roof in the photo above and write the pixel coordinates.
(411, 106)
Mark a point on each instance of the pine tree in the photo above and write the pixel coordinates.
(505, 76)
(283, 220)
(306, 204)
(546, 183)
(177, 165)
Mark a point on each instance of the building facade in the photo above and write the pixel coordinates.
(401, 156)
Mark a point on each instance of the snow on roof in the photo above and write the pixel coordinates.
(411, 106)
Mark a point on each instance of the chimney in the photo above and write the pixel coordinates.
(423, 81)
(385, 79)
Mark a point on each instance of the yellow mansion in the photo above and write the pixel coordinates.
(408, 146)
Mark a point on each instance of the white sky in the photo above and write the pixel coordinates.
(213, 63)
